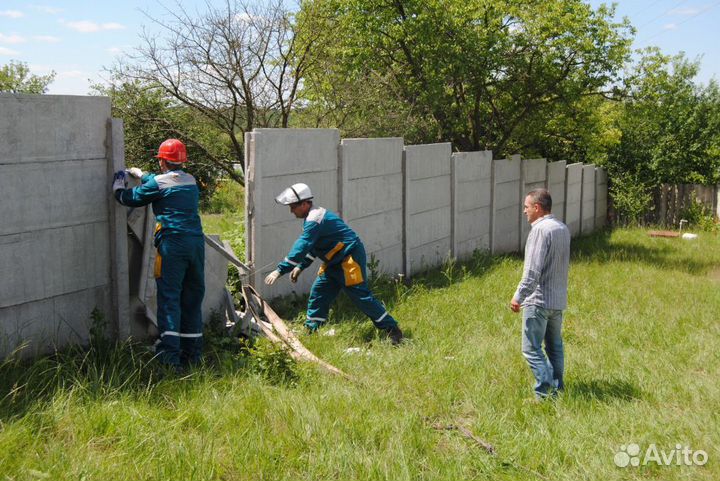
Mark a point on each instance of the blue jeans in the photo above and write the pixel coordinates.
(540, 324)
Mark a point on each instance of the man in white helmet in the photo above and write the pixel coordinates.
(327, 237)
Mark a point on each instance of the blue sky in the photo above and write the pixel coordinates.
(77, 38)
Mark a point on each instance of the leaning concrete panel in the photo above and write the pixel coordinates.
(472, 199)
(534, 172)
(573, 197)
(587, 212)
(556, 186)
(275, 159)
(428, 206)
(372, 197)
(506, 205)
(51, 128)
(600, 197)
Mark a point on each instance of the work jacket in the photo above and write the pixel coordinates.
(175, 198)
(325, 236)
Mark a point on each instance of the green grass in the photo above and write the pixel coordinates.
(642, 361)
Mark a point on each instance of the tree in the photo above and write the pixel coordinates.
(469, 72)
(669, 131)
(237, 66)
(15, 77)
(150, 116)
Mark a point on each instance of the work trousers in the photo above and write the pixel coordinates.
(180, 277)
(334, 278)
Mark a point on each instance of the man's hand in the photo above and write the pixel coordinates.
(514, 305)
(295, 274)
(135, 172)
(272, 277)
(119, 181)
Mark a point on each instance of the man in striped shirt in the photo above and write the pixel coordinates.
(542, 293)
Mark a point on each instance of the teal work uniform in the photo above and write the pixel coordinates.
(179, 264)
(326, 237)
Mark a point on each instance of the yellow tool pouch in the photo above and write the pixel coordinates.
(352, 271)
(158, 265)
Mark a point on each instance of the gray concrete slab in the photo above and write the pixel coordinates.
(573, 197)
(277, 158)
(428, 206)
(601, 193)
(472, 199)
(534, 174)
(556, 187)
(52, 128)
(372, 197)
(587, 211)
(507, 178)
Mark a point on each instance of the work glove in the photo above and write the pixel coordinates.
(295, 274)
(135, 172)
(272, 277)
(119, 181)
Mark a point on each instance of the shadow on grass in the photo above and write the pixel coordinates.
(666, 254)
(604, 390)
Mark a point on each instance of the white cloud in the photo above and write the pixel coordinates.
(114, 50)
(11, 39)
(11, 13)
(46, 39)
(684, 11)
(8, 51)
(670, 26)
(86, 26)
(48, 10)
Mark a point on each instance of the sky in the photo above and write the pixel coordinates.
(76, 39)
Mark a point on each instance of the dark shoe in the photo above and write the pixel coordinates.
(395, 335)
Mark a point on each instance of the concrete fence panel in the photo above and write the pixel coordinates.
(428, 206)
(601, 194)
(587, 214)
(472, 202)
(55, 223)
(573, 197)
(372, 197)
(556, 187)
(276, 159)
(506, 205)
(534, 176)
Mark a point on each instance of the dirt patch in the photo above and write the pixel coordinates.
(714, 274)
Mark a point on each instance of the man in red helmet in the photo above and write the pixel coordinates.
(180, 260)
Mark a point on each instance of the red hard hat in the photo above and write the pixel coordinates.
(172, 150)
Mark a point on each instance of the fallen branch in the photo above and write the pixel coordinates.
(279, 333)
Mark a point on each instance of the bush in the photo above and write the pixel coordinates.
(631, 198)
(227, 197)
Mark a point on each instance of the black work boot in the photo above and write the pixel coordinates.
(395, 335)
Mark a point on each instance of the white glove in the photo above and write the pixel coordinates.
(135, 172)
(272, 277)
(295, 274)
(119, 181)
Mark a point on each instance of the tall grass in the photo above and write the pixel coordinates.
(641, 338)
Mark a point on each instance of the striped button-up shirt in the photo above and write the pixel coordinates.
(547, 258)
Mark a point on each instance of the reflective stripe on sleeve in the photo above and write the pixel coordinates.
(291, 262)
(381, 317)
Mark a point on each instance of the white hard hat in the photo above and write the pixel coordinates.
(294, 193)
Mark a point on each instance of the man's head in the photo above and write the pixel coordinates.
(538, 203)
(171, 154)
(298, 197)
(301, 209)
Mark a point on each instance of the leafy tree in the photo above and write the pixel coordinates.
(15, 77)
(471, 72)
(237, 66)
(150, 116)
